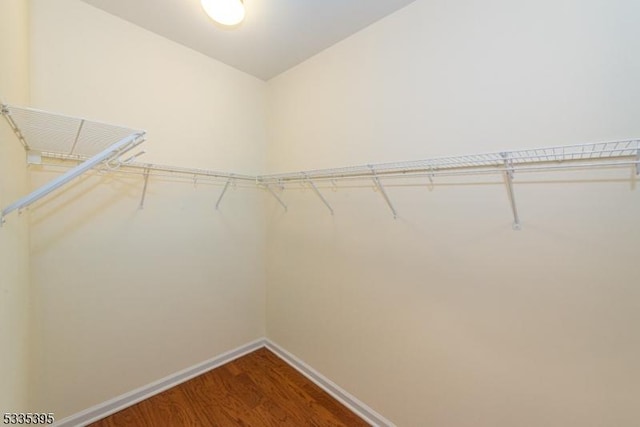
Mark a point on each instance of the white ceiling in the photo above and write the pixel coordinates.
(275, 36)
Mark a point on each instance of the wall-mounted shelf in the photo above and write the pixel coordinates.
(59, 135)
(92, 144)
(45, 133)
(580, 156)
(601, 154)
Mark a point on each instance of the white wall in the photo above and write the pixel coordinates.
(125, 297)
(447, 317)
(14, 235)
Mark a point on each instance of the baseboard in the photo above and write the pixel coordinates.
(355, 405)
(123, 401)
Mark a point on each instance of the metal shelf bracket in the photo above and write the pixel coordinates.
(224, 190)
(315, 190)
(431, 176)
(273, 193)
(382, 191)
(4, 109)
(508, 178)
(144, 188)
(77, 138)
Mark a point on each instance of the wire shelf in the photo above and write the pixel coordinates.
(614, 152)
(90, 142)
(62, 135)
(93, 144)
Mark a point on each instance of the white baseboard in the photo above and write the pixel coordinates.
(112, 406)
(357, 406)
(121, 402)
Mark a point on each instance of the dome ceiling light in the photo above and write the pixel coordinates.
(225, 12)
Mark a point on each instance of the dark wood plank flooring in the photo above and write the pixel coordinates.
(257, 390)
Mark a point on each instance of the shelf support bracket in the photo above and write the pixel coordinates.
(315, 190)
(144, 188)
(508, 177)
(77, 138)
(224, 190)
(273, 193)
(4, 109)
(109, 153)
(431, 176)
(382, 191)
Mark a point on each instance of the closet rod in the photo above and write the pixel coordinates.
(96, 142)
(112, 151)
(140, 167)
(191, 172)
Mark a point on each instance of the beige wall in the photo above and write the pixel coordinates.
(447, 317)
(442, 317)
(14, 237)
(125, 297)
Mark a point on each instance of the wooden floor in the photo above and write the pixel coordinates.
(258, 389)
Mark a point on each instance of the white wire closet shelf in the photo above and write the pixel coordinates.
(600, 154)
(98, 144)
(612, 154)
(51, 134)
(62, 136)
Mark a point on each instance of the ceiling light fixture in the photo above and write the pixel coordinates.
(225, 12)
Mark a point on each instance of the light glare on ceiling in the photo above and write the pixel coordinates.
(225, 12)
